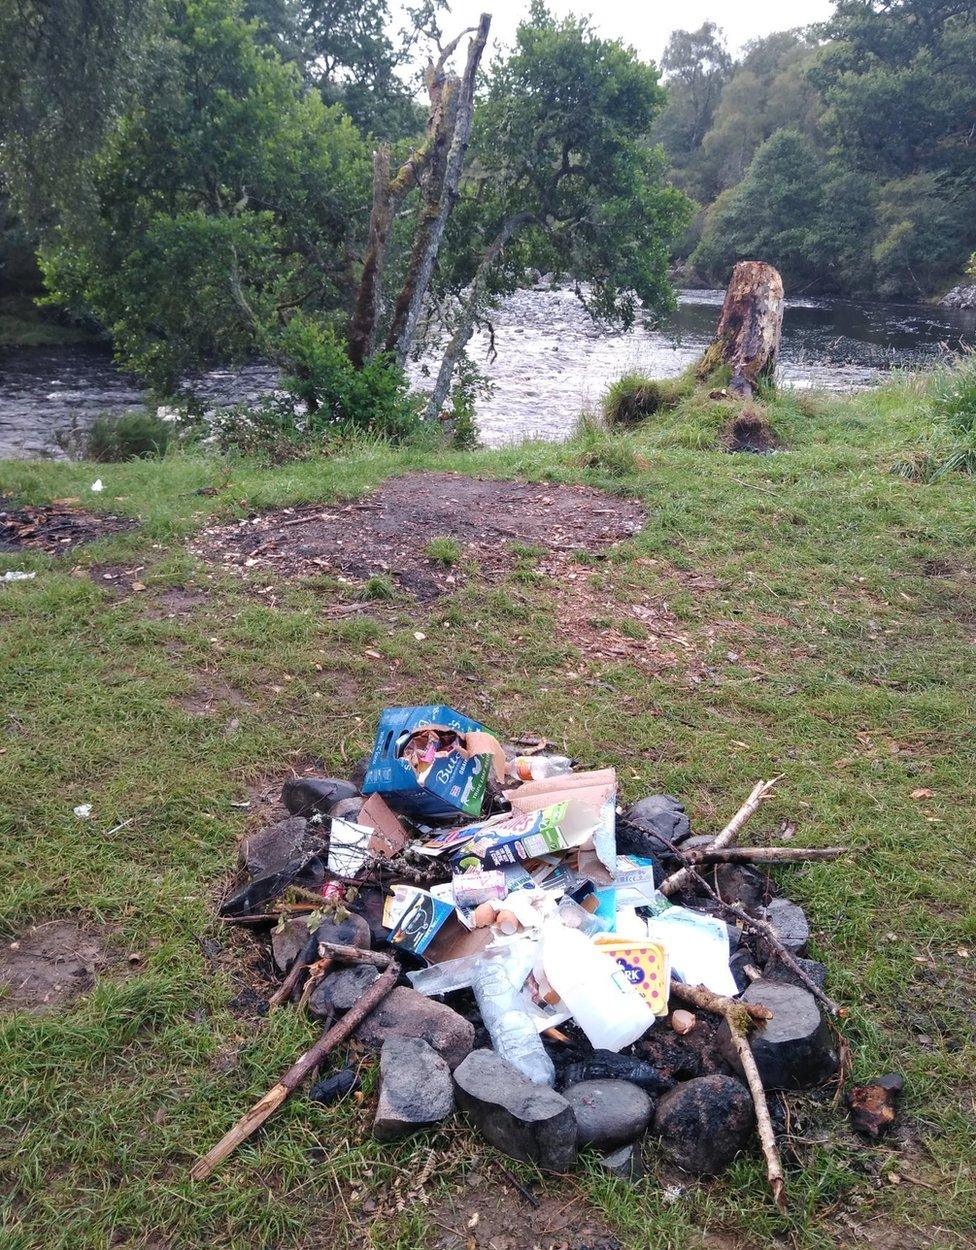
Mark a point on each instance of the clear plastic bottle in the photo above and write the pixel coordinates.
(445, 978)
(511, 1028)
(539, 767)
(609, 1010)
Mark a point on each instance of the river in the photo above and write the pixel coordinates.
(550, 362)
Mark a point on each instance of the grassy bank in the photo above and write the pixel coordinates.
(23, 324)
(828, 612)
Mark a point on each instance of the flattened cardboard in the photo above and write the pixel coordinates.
(454, 941)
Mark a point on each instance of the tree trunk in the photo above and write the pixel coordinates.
(747, 339)
(434, 213)
(462, 333)
(363, 327)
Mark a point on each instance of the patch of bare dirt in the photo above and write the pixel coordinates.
(177, 602)
(212, 695)
(117, 580)
(499, 1218)
(53, 963)
(388, 531)
(54, 527)
(750, 431)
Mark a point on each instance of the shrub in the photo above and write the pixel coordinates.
(615, 455)
(634, 397)
(339, 397)
(131, 436)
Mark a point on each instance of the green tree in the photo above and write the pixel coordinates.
(67, 67)
(772, 215)
(562, 178)
(225, 201)
(696, 67)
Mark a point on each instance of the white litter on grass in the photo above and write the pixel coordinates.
(83, 811)
(17, 575)
(97, 485)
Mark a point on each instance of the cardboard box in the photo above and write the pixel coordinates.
(645, 965)
(450, 783)
(420, 921)
(516, 836)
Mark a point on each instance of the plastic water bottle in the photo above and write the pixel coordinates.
(511, 1028)
(445, 978)
(539, 767)
(592, 985)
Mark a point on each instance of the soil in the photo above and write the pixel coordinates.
(496, 1217)
(751, 432)
(55, 527)
(388, 531)
(51, 964)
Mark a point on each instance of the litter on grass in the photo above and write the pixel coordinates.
(520, 946)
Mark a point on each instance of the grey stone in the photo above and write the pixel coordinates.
(736, 883)
(660, 818)
(338, 991)
(405, 1013)
(523, 1120)
(795, 1049)
(789, 923)
(704, 1123)
(415, 1089)
(277, 845)
(626, 1163)
(698, 842)
(347, 809)
(288, 941)
(349, 930)
(307, 796)
(776, 970)
(609, 1113)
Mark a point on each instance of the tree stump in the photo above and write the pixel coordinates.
(747, 339)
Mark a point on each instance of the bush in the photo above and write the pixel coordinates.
(615, 455)
(634, 397)
(131, 436)
(339, 397)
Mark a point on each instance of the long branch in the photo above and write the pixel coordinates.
(739, 1016)
(462, 332)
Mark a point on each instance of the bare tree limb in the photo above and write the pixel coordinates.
(430, 229)
(469, 310)
(759, 791)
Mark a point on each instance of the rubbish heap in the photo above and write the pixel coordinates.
(568, 974)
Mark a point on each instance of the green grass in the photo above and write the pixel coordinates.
(848, 595)
(443, 550)
(23, 324)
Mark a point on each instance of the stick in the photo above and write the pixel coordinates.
(354, 955)
(290, 1080)
(739, 1016)
(717, 1004)
(763, 854)
(300, 963)
(764, 1126)
(767, 931)
(728, 834)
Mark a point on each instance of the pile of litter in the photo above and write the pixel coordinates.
(567, 974)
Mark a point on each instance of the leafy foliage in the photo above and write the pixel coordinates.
(879, 106)
(135, 435)
(229, 201)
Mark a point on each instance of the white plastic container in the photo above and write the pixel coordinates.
(592, 985)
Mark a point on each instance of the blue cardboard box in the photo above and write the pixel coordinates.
(455, 783)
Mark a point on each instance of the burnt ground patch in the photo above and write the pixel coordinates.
(388, 532)
(54, 527)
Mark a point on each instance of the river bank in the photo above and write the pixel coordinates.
(805, 615)
(550, 363)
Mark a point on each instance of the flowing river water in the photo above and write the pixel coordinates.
(550, 362)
